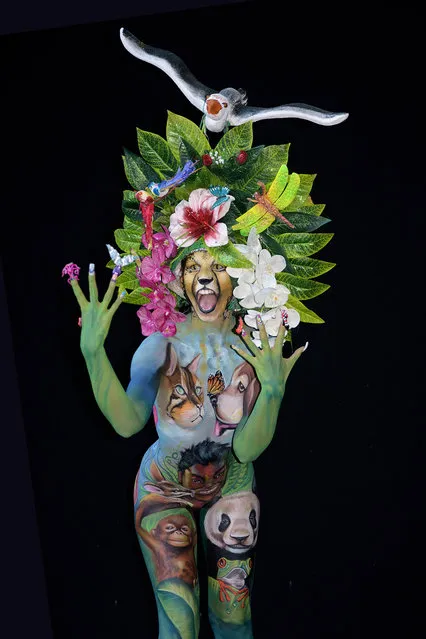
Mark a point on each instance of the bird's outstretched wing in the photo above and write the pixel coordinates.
(299, 111)
(171, 64)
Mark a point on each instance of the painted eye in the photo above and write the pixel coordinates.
(198, 390)
(221, 562)
(224, 523)
(225, 104)
(185, 530)
(218, 267)
(252, 519)
(180, 390)
(170, 528)
(241, 387)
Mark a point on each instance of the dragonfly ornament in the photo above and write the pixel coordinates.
(268, 205)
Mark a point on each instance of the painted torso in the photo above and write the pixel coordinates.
(204, 391)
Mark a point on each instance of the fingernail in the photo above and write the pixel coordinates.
(306, 346)
(91, 268)
(123, 293)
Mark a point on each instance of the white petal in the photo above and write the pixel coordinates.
(248, 302)
(234, 272)
(277, 263)
(253, 240)
(293, 317)
(217, 236)
(242, 290)
(199, 198)
(250, 320)
(246, 276)
(264, 256)
(263, 294)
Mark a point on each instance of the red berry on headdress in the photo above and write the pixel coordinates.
(207, 160)
(241, 157)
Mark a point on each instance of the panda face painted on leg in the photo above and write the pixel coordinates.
(232, 523)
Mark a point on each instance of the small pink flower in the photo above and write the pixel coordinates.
(160, 294)
(164, 313)
(163, 244)
(153, 271)
(148, 323)
(72, 270)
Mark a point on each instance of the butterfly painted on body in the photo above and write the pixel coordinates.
(221, 194)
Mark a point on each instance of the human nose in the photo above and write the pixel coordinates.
(205, 280)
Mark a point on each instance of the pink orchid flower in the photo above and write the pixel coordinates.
(152, 270)
(148, 323)
(196, 218)
(166, 313)
(162, 244)
(160, 294)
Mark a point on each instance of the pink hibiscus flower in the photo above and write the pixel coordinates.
(196, 218)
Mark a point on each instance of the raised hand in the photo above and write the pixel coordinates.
(95, 315)
(272, 369)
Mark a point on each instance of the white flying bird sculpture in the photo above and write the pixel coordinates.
(228, 106)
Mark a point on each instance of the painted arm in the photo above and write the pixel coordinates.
(255, 432)
(127, 412)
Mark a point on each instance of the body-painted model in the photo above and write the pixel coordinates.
(192, 237)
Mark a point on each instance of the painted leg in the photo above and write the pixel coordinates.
(230, 529)
(168, 540)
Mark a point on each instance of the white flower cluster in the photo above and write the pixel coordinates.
(259, 292)
(217, 159)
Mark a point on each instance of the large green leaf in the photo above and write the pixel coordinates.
(135, 297)
(131, 225)
(155, 150)
(127, 240)
(238, 138)
(138, 172)
(228, 255)
(232, 173)
(128, 279)
(310, 209)
(180, 604)
(306, 182)
(303, 223)
(180, 129)
(265, 169)
(306, 315)
(303, 244)
(301, 287)
(309, 267)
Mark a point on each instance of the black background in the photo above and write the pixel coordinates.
(342, 488)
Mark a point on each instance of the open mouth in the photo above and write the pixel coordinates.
(213, 106)
(206, 300)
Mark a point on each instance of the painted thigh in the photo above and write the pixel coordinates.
(168, 540)
(230, 529)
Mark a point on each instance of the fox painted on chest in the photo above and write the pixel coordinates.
(181, 395)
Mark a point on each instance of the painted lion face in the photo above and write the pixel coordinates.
(232, 522)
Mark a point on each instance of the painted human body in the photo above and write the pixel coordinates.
(203, 457)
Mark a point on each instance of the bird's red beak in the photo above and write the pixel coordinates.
(213, 106)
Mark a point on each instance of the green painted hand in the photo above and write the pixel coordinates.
(272, 369)
(95, 315)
